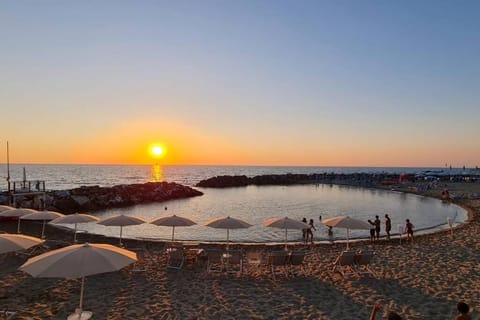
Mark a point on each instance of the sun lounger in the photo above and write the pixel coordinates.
(363, 262)
(234, 261)
(175, 257)
(7, 315)
(278, 260)
(345, 263)
(296, 260)
(254, 257)
(214, 261)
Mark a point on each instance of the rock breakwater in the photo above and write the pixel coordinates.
(94, 198)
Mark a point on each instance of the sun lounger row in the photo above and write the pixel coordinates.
(354, 263)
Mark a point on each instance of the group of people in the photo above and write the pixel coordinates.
(376, 226)
(308, 232)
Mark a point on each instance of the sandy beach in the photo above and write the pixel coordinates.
(420, 281)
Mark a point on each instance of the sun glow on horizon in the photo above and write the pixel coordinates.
(157, 151)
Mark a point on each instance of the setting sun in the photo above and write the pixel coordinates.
(157, 151)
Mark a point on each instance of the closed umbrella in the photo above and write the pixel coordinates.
(285, 223)
(4, 208)
(228, 223)
(121, 221)
(75, 219)
(42, 215)
(15, 242)
(79, 261)
(348, 223)
(17, 213)
(173, 221)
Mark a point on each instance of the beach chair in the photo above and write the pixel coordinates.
(278, 260)
(363, 262)
(234, 261)
(214, 261)
(296, 260)
(345, 263)
(175, 258)
(254, 258)
(7, 315)
(142, 262)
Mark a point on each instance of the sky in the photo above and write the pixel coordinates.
(251, 82)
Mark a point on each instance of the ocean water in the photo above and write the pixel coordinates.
(253, 204)
(60, 177)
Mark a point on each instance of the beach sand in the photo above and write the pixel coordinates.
(420, 281)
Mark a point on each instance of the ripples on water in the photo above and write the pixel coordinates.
(253, 204)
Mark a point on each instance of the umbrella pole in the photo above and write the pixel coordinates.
(81, 297)
(121, 235)
(347, 238)
(173, 233)
(228, 238)
(18, 226)
(286, 238)
(75, 234)
(43, 228)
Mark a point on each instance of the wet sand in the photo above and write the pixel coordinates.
(423, 280)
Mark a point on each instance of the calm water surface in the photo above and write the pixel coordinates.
(253, 204)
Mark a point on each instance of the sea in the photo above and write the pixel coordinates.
(253, 204)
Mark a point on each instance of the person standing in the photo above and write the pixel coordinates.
(388, 226)
(377, 227)
(310, 229)
(409, 230)
(304, 231)
(372, 231)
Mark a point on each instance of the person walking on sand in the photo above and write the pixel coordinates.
(409, 230)
(388, 226)
(377, 227)
(310, 231)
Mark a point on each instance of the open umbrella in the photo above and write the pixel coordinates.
(4, 208)
(348, 223)
(14, 242)
(79, 261)
(121, 221)
(228, 223)
(42, 215)
(285, 223)
(17, 213)
(75, 219)
(173, 221)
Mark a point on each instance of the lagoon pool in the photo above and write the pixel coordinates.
(255, 204)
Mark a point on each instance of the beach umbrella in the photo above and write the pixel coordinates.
(17, 213)
(4, 208)
(14, 242)
(79, 261)
(75, 219)
(42, 215)
(228, 223)
(285, 223)
(121, 221)
(348, 223)
(173, 221)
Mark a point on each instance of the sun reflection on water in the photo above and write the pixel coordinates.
(157, 173)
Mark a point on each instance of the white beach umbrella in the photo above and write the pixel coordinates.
(75, 219)
(79, 261)
(15, 242)
(228, 223)
(348, 223)
(4, 208)
(285, 223)
(173, 221)
(121, 221)
(17, 213)
(42, 215)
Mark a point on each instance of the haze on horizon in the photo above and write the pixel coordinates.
(321, 83)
